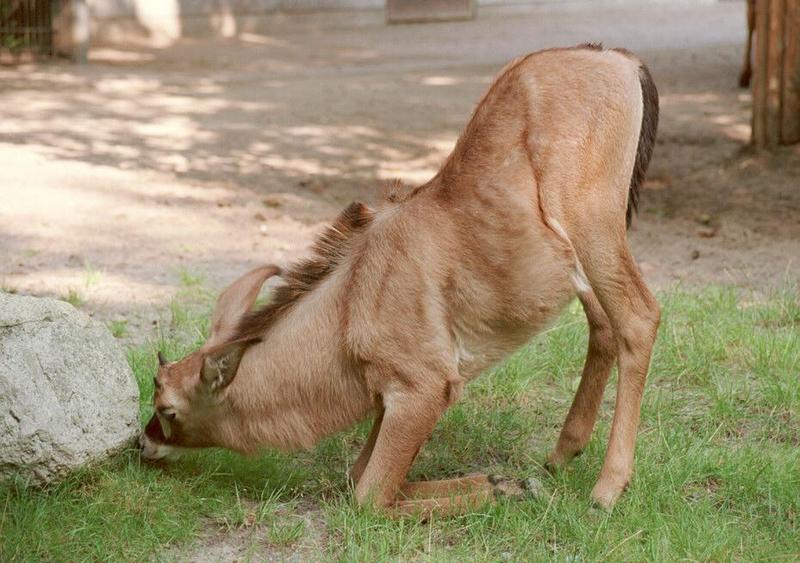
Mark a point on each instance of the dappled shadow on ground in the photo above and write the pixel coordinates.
(141, 171)
(210, 156)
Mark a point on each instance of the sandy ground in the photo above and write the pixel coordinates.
(120, 178)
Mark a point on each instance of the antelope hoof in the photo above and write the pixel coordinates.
(552, 466)
(605, 494)
(515, 488)
(557, 460)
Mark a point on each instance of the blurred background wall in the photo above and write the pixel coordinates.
(159, 22)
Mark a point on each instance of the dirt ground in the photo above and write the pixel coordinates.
(122, 178)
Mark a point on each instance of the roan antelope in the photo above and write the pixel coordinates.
(403, 304)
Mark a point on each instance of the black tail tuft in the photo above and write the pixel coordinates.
(647, 139)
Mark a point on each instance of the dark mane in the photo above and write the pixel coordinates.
(328, 251)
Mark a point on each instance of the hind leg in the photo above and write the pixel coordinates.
(363, 458)
(599, 360)
(634, 315)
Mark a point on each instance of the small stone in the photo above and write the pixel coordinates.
(273, 201)
(695, 254)
(704, 219)
(707, 232)
(534, 487)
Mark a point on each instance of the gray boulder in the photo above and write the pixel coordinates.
(67, 394)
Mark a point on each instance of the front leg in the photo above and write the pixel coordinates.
(423, 498)
(446, 488)
(404, 422)
(408, 420)
(420, 489)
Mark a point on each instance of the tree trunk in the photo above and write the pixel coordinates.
(776, 84)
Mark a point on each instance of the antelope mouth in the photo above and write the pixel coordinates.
(154, 452)
(153, 443)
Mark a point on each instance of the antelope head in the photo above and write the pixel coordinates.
(191, 410)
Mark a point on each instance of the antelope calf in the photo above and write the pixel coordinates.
(403, 304)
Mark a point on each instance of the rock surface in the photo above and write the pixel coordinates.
(67, 394)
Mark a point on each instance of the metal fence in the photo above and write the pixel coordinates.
(26, 26)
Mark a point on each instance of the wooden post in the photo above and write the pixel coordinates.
(790, 119)
(776, 84)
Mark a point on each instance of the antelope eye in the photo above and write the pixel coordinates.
(166, 413)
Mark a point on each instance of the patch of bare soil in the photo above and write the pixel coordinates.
(250, 541)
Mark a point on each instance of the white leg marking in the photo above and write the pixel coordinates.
(578, 277)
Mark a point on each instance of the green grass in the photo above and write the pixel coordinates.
(717, 470)
(118, 328)
(75, 298)
(91, 275)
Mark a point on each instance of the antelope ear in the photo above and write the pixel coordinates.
(219, 367)
(236, 301)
